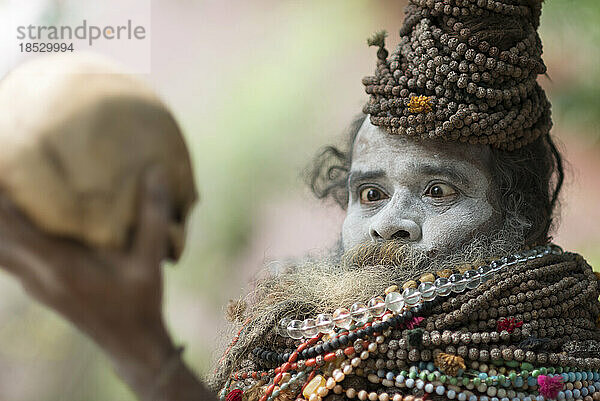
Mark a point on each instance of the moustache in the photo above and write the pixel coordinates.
(386, 253)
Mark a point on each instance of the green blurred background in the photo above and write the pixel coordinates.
(258, 86)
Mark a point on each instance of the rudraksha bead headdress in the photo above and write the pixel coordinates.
(465, 70)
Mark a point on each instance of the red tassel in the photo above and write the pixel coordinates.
(414, 322)
(234, 395)
(509, 324)
(549, 386)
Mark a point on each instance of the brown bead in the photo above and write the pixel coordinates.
(427, 277)
(444, 273)
(409, 284)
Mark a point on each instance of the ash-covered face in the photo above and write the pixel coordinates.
(436, 195)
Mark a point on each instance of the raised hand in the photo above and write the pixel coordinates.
(113, 296)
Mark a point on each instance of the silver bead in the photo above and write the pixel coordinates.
(293, 329)
(427, 291)
(411, 296)
(309, 328)
(282, 327)
(485, 273)
(442, 286)
(342, 318)
(325, 323)
(359, 312)
(473, 279)
(394, 302)
(458, 282)
(376, 306)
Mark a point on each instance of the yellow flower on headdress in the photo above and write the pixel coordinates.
(419, 104)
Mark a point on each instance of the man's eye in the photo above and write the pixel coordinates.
(371, 194)
(440, 190)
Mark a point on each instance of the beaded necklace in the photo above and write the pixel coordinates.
(426, 289)
(486, 334)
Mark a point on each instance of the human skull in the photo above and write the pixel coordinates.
(77, 135)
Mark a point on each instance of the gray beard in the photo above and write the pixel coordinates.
(364, 272)
(307, 288)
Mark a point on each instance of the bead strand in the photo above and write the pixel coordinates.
(411, 297)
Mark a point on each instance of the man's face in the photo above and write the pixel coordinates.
(435, 195)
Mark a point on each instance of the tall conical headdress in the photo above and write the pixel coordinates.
(465, 70)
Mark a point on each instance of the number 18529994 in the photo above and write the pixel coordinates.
(33, 47)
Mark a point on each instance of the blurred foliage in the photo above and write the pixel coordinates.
(570, 31)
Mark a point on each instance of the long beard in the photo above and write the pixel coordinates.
(359, 274)
(365, 271)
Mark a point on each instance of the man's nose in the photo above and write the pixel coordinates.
(403, 229)
(393, 222)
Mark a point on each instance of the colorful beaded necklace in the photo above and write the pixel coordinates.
(394, 347)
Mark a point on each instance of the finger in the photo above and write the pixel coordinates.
(18, 227)
(21, 237)
(151, 241)
(29, 268)
(16, 239)
(10, 260)
(12, 221)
